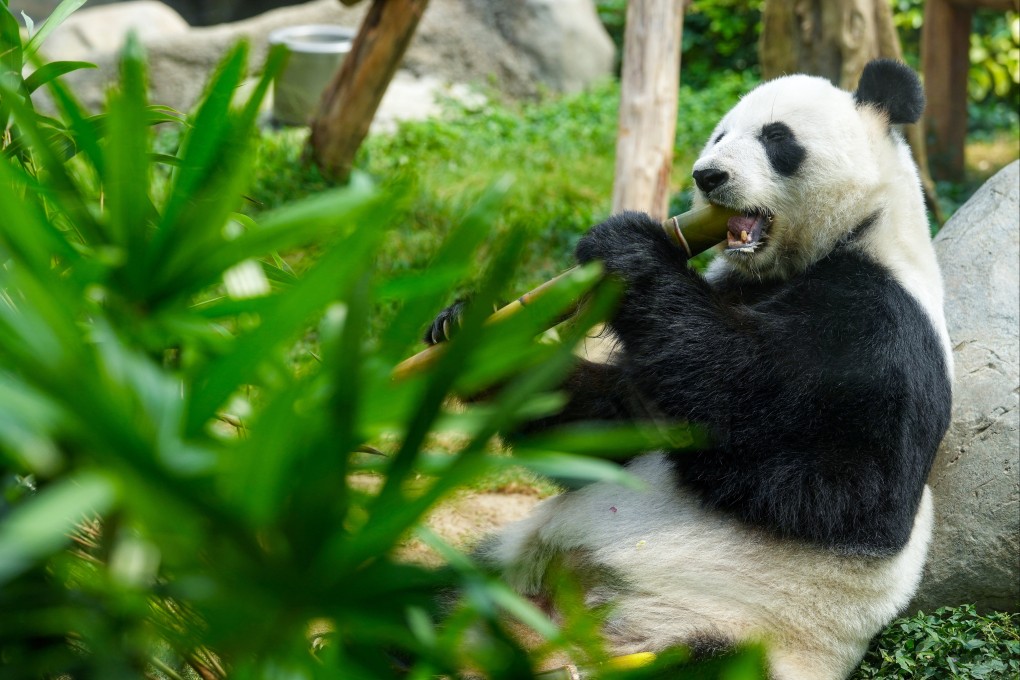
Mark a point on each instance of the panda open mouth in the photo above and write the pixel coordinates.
(747, 231)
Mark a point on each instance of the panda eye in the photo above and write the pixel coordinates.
(775, 132)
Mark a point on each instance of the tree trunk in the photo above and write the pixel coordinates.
(945, 43)
(648, 106)
(835, 39)
(352, 98)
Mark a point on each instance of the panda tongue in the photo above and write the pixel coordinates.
(744, 230)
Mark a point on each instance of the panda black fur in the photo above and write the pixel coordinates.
(815, 353)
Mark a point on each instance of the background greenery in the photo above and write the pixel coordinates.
(215, 385)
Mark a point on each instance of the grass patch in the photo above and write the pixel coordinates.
(559, 153)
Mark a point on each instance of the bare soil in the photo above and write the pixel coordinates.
(467, 517)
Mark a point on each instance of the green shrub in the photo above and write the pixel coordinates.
(954, 642)
(719, 37)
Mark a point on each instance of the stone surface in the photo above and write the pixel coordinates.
(517, 47)
(975, 555)
(563, 41)
(102, 29)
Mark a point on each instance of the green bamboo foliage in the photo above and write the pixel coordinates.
(182, 497)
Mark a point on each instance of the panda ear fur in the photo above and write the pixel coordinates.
(892, 87)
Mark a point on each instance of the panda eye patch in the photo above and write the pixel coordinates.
(785, 154)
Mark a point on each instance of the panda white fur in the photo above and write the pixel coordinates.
(816, 355)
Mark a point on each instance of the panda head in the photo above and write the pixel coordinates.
(806, 163)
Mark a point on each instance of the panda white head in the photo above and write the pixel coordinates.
(807, 163)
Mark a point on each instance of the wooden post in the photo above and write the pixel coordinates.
(648, 106)
(352, 98)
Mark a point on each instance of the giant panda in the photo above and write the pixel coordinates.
(814, 352)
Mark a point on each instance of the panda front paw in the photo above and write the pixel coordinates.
(445, 324)
(628, 244)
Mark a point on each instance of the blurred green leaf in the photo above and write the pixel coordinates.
(11, 52)
(40, 526)
(54, 69)
(127, 177)
(287, 314)
(56, 17)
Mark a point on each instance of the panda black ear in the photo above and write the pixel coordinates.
(892, 87)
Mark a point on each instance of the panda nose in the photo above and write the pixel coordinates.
(710, 178)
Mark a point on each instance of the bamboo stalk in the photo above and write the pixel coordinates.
(695, 231)
(617, 663)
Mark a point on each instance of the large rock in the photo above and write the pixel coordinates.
(563, 40)
(975, 556)
(519, 47)
(101, 30)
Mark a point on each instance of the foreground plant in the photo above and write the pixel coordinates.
(190, 432)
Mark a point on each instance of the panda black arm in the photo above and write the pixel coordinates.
(827, 397)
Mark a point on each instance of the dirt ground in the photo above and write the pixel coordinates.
(467, 517)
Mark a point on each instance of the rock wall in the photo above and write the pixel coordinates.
(975, 555)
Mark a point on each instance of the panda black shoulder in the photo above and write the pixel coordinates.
(870, 367)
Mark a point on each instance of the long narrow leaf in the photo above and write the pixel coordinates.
(11, 54)
(450, 365)
(25, 229)
(52, 162)
(499, 592)
(87, 130)
(292, 309)
(127, 168)
(315, 218)
(56, 17)
(47, 72)
(206, 145)
(40, 527)
(455, 259)
(393, 519)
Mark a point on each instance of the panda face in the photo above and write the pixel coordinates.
(797, 157)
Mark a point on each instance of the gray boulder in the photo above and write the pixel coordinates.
(562, 41)
(975, 555)
(518, 47)
(101, 30)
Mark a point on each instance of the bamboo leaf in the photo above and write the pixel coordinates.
(51, 161)
(127, 164)
(56, 17)
(291, 310)
(39, 527)
(454, 259)
(25, 230)
(47, 72)
(86, 130)
(572, 470)
(616, 440)
(11, 53)
(496, 592)
(212, 147)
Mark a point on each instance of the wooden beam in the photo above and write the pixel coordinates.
(945, 43)
(650, 82)
(352, 98)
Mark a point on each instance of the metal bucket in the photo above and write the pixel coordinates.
(315, 55)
